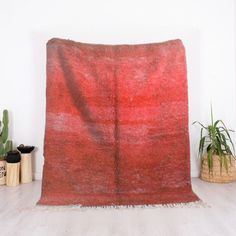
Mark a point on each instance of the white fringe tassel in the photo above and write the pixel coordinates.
(196, 204)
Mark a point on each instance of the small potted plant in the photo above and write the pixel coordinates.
(217, 153)
(26, 163)
(5, 146)
(13, 168)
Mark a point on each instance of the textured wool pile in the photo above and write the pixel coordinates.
(116, 125)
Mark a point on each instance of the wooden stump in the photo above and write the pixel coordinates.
(218, 173)
(13, 174)
(2, 172)
(26, 168)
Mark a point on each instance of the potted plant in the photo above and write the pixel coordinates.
(217, 152)
(5, 146)
(26, 163)
(13, 168)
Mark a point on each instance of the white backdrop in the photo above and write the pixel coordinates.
(206, 27)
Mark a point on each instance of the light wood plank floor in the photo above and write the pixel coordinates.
(19, 215)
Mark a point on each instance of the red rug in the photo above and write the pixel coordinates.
(116, 125)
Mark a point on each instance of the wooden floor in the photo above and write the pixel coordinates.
(19, 215)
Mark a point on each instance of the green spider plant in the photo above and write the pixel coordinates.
(215, 140)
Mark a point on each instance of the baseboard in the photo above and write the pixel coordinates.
(38, 175)
(194, 173)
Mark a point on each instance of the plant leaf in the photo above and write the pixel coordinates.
(4, 133)
(211, 116)
(210, 160)
(225, 161)
(8, 146)
(197, 122)
(1, 149)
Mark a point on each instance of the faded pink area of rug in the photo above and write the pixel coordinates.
(116, 125)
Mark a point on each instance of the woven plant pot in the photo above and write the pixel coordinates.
(218, 174)
(2, 172)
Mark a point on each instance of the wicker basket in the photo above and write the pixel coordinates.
(2, 172)
(218, 174)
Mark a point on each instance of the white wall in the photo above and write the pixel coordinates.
(207, 28)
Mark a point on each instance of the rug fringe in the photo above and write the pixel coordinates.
(196, 204)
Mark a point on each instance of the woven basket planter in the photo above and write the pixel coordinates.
(2, 172)
(218, 174)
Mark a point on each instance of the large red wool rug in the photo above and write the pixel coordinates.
(116, 125)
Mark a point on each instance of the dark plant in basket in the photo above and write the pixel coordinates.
(215, 140)
(25, 149)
